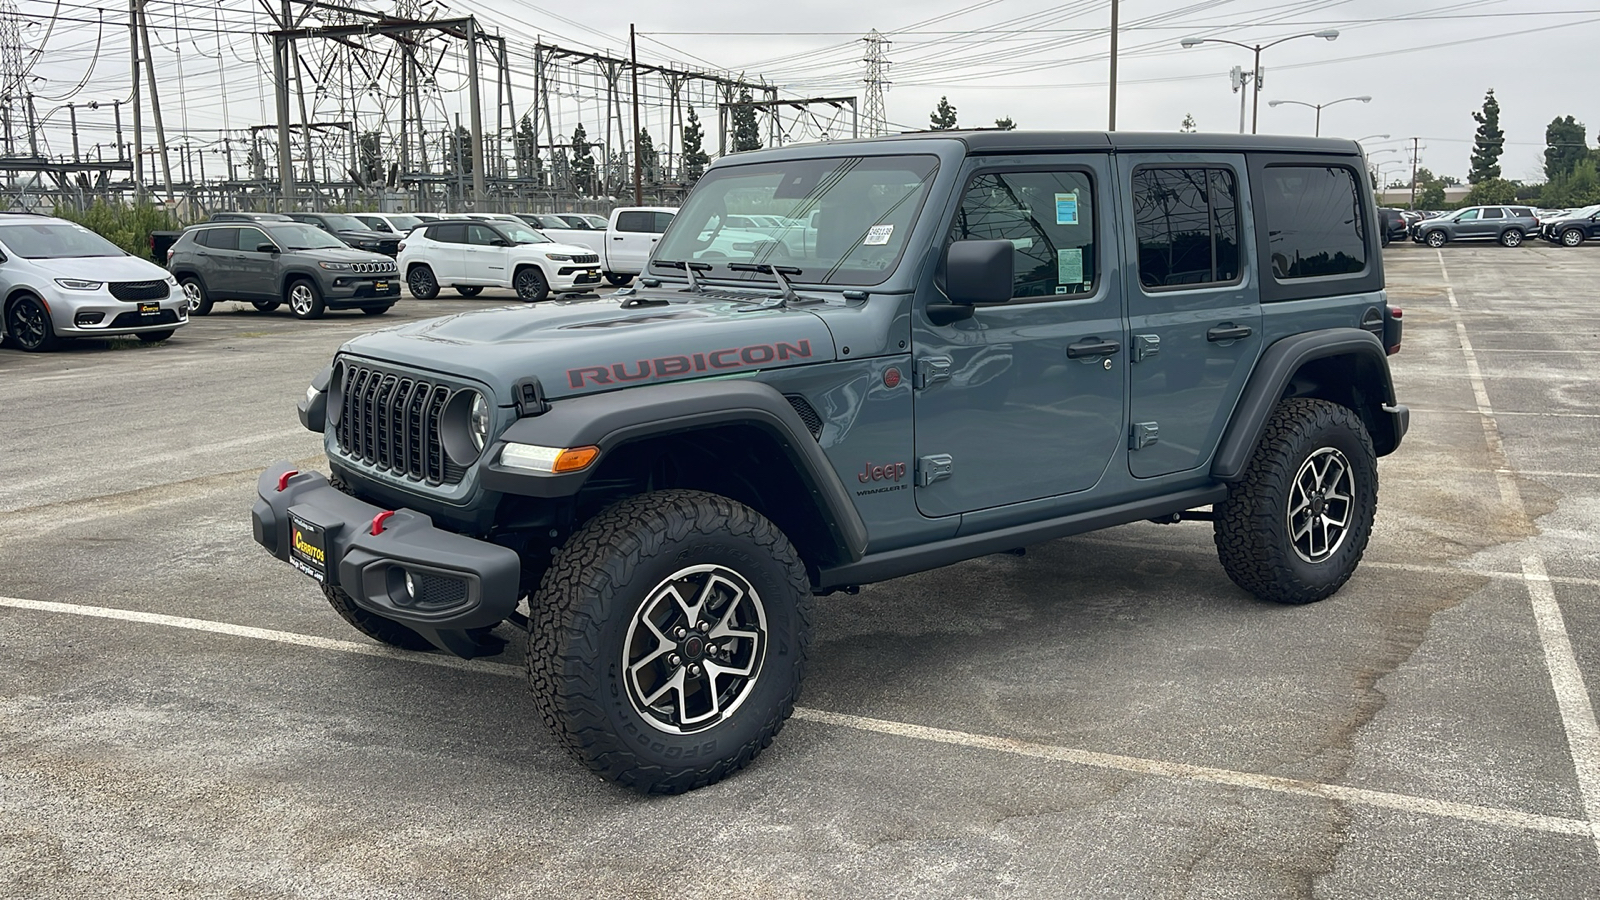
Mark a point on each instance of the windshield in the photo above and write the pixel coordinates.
(847, 219)
(340, 222)
(304, 237)
(403, 223)
(522, 234)
(55, 240)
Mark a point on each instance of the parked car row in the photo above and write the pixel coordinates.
(1571, 228)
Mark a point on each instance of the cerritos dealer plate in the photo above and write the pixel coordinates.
(308, 548)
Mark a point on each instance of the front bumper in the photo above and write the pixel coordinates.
(345, 288)
(574, 277)
(97, 313)
(457, 582)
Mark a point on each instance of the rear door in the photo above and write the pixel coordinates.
(1194, 307)
(1491, 221)
(1024, 400)
(445, 256)
(256, 268)
(220, 263)
(629, 244)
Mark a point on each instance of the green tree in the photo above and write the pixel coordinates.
(1189, 126)
(1005, 124)
(1492, 190)
(1566, 143)
(649, 159)
(695, 158)
(944, 115)
(1487, 144)
(582, 163)
(746, 132)
(369, 157)
(1430, 189)
(458, 151)
(525, 150)
(1580, 187)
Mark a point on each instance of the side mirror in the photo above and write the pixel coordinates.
(266, 248)
(499, 242)
(976, 272)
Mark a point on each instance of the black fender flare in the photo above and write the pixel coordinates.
(298, 272)
(1271, 379)
(612, 419)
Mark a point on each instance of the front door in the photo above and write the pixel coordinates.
(483, 257)
(1024, 400)
(1194, 309)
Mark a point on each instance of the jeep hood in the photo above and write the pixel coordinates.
(591, 345)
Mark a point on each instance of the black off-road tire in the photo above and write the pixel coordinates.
(1252, 530)
(581, 618)
(468, 290)
(618, 280)
(421, 283)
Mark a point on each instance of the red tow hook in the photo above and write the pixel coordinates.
(283, 480)
(378, 520)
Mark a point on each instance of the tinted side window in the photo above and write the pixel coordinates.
(223, 238)
(481, 235)
(251, 238)
(663, 219)
(1187, 224)
(1494, 213)
(1047, 216)
(1314, 223)
(636, 221)
(448, 234)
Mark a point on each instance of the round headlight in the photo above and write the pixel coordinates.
(478, 421)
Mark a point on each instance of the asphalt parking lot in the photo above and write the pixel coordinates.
(1108, 716)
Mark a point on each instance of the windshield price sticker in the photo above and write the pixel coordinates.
(878, 235)
(1067, 208)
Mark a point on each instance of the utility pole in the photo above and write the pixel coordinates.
(116, 112)
(1113, 124)
(138, 136)
(1415, 151)
(155, 100)
(1255, 93)
(72, 113)
(638, 169)
(476, 113)
(280, 78)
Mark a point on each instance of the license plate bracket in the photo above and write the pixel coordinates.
(149, 309)
(308, 547)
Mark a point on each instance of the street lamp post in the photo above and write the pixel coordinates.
(1255, 102)
(1369, 137)
(1318, 106)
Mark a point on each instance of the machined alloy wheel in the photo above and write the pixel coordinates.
(1320, 501)
(305, 302)
(28, 326)
(1572, 237)
(1512, 238)
(1436, 238)
(694, 650)
(194, 293)
(422, 283)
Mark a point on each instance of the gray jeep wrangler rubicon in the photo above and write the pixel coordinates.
(942, 346)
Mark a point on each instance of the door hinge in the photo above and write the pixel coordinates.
(930, 371)
(934, 468)
(1146, 346)
(1143, 435)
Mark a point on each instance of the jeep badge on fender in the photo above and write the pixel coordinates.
(670, 477)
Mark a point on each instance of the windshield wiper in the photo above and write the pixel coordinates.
(689, 268)
(786, 294)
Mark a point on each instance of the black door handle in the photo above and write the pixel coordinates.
(1228, 333)
(1092, 347)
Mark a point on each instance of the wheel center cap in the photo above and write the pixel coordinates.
(694, 648)
(1318, 504)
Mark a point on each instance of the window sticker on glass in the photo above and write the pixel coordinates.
(1022, 243)
(878, 235)
(1069, 265)
(1067, 208)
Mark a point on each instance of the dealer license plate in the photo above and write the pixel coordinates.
(381, 287)
(149, 309)
(308, 548)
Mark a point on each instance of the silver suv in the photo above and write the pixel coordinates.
(1506, 224)
(60, 280)
(268, 264)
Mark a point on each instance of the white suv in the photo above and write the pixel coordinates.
(58, 280)
(472, 254)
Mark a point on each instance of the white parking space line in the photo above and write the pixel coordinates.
(1477, 412)
(1566, 678)
(1466, 812)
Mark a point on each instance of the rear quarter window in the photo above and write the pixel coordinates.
(1314, 222)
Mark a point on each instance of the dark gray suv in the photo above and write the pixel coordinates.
(268, 264)
(1506, 224)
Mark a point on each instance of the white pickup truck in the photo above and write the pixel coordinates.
(627, 242)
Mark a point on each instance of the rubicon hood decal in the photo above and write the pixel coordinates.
(755, 355)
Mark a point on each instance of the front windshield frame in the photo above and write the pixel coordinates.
(89, 240)
(292, 236)
(851, 218)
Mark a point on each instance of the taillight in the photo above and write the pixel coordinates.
(169, 254)
(400, 246)
(1392, 330)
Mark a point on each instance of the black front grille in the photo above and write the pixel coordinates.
(373, 268)
(391, 422)
(134, 320)
(586, 259)
(808, 415)
(139, 290)
(438, 591)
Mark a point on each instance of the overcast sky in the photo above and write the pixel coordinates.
(1425, 63)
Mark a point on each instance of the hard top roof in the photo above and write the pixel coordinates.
(994, 142)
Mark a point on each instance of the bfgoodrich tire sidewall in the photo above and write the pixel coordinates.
(777, 681)
(1336, 568)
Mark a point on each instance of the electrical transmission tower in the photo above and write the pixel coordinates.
(16, 61)
(875, 118)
